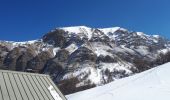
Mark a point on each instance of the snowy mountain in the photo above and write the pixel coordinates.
(80, 57)
(152, 84)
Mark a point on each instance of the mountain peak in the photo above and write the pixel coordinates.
(120, 35)
(75, 29)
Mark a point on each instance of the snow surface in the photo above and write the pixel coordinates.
(55, 50)
(156, 36)
(101, 49)
(115, 66)
(71, 48)
(109, 30)
(143, 50)
(152, 84)
(23, 43)
(79, 29)
(164, 51)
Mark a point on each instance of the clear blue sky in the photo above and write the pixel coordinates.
(29, 19)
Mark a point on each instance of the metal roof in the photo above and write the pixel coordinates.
(27, 86)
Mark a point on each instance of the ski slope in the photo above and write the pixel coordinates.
(153, 84)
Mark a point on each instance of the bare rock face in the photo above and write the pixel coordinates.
(82, 54)
(105, 59)
(38, 62)
(56, 66)
(17, 58)
(78, 58)
(3, 52)
(62, 55)
(57, 38)
(22, 60)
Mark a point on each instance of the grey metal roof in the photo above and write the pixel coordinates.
(27, 86)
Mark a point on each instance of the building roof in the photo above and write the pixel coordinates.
(27, 86)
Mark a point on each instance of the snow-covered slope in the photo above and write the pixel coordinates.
(153, 84)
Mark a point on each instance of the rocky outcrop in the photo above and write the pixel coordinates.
(17, 58)
(57, 38)
(38, 62)
(82, 54)
(56, 66)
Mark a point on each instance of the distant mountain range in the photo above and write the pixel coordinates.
(80, 57)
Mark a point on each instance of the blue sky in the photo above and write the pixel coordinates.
(22, 20)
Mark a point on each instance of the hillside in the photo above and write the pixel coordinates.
(152, 84)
